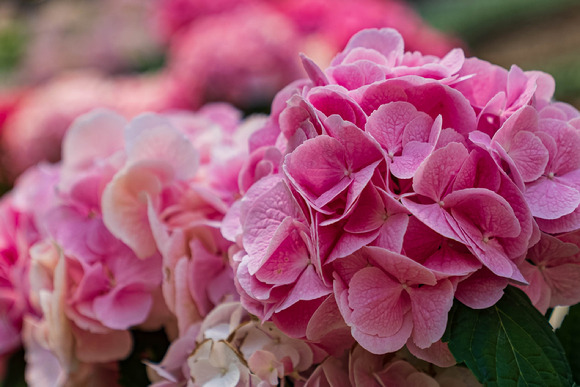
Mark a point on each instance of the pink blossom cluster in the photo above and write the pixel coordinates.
(226, 50)
(393, 182)
(323, 244)
(122, 233)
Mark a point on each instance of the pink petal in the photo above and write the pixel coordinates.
(124, 206)
(94, 135)
(387, 123)
(152, 137)
(318, 169)
(123, 307)
(529, 155)
(101, 348)
(377, 303)
(309, 286)
(481, 290)
(549, 199)
(379, 344)
(414, 153)
(386, 41)
(430, 304)
(436, 172)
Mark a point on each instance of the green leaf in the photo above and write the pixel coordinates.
(570, 338)
(508, 344)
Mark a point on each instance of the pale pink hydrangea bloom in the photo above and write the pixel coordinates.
(19, 230)
(177, 181)
(58, 351)
(229, 349)
(89, 286)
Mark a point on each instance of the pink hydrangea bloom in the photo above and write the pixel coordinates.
(17, 234)
(372, 189)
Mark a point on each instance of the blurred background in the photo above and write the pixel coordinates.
(39, 38)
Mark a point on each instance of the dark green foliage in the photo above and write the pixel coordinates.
(508, 344)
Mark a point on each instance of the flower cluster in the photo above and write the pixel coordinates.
(405, 181)
(122, 233)
(322, 245)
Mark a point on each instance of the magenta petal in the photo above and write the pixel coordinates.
(529, 155)
(414, 153)
(387, 123)
(436, 218)
(378, 307)
(287, 262)
(380, 344)
(549, 199)
(566, 223)
(264, 220)
(294, 320)
(430, 304)
(481, 290)
(435, 173)
(392, 233)
(369, 213)
(318, 166)
(309, 286)
(403, 268)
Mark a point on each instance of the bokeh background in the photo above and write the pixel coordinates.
(40, 37)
